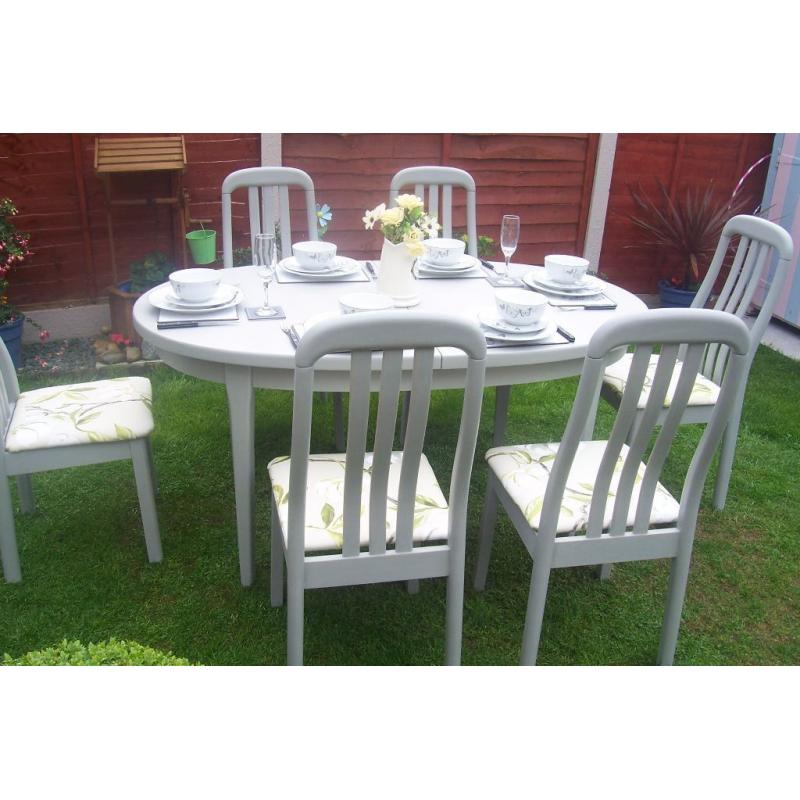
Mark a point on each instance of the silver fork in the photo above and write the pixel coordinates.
(290, 331)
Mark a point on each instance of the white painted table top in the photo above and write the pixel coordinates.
(264, 346)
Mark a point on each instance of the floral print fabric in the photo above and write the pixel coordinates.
(81, 413)
(525, 469)
(704, 391)
(325, 501)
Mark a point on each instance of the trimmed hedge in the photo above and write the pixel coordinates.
(112, 652)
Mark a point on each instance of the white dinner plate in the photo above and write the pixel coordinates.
(341, 266)
(224, 294)
(462, 265)
(489, 318)
(537, 280)
(527, 338)
(162, 297)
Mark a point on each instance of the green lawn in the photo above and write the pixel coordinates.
(86, 576)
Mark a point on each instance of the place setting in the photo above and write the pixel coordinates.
(318, 262)
(521, 317)
(195, 297)
(445, 258)
(564, 279)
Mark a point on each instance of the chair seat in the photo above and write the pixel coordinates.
(81, 413)
(704, 391)
(325, 501)
(523, 471)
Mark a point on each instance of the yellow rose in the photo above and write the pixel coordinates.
(393, 216)
(409, 201)
(415, 248)
(413, 235)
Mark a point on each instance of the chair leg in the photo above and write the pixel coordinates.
(455, 612)
(25, 491)
(676, 592)
(147, 499)
(338, 422)
(537, 595)
(276, 558)
(412, 586)
(502, 395)
(152, 466)
(8, 540)
(727, 452)
(294, 616)
(604, 571)
(486, 535)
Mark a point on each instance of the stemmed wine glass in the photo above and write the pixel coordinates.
(509, 239)
(265, 260)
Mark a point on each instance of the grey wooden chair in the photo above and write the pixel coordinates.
(69, 426)
(427, 181)
(578, 503)
(760, 242)
(369, 517)
(261, 184)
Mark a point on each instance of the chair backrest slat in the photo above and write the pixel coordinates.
(9, 386)
(262, 213)
(386, 422)
(666, 433)
(412, 446)
(358, 419)
(619, 433)
(363, 336)
(447, 178)
(649, 417)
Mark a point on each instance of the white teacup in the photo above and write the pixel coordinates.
(443, 252)
(314, 255)
(196, 284)
(565, 269)
(520, 307)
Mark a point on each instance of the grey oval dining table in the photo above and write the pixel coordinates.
(257, 354)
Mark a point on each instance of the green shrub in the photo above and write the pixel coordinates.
(109, 653)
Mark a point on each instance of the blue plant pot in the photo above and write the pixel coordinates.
(672, 297)
(11, 334)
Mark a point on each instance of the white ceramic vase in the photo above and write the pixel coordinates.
(396, 276)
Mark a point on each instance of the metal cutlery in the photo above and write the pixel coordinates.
(291, 332)
(371, 269)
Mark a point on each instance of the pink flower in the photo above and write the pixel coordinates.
(44, 335)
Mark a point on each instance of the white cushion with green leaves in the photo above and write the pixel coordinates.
(325, 500)
(704, 391)
(81, 413)
(524, 470)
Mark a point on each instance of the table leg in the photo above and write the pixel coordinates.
(501, 397)
(241, 408)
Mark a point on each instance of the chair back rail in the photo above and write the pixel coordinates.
(678, 331)
(390, 334)
(428, 181)
(272, 181)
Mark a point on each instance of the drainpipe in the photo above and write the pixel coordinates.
(88, 254)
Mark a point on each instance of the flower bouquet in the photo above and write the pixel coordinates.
(404, 227)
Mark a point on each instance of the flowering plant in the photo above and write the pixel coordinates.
(13, 250)
(406, 223)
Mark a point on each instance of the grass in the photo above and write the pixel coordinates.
(85, 574)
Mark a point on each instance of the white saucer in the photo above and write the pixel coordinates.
(528, 338)
(538, 280)
(341, 266)
(462, 265)
(489, 318)
(226, 297)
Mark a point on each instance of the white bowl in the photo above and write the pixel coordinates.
(519, 306)
(365, 301)
(314, 255)
(565, 269)
(443, 252)
(196, 284)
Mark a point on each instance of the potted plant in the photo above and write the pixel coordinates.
(688, 227)
(13, 250)
(152, 270)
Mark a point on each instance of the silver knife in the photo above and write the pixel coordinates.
(371, 269)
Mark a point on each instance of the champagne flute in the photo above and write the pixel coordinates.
(265, 258)
(509, 239)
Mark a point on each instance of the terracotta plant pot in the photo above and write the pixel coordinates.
(120, 305)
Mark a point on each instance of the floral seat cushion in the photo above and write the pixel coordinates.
(81, 413)
(704, 391)
(325, 501)
(524, 470)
